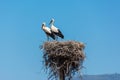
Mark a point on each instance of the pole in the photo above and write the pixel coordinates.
(61, 74)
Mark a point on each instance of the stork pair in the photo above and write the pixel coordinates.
(53, 31)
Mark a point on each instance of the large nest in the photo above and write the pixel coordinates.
(67, 56)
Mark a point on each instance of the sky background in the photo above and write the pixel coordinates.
(94, 22)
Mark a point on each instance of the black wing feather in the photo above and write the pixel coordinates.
(59, 34)
(51, 35)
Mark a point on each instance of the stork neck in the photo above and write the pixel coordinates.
(52, 22)
(43, 26)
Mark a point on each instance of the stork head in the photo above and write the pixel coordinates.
(52, 21)
(43, 24)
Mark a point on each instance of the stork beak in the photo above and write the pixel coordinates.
(50, 22)
(42, 24)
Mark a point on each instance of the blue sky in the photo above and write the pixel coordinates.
(94, 22)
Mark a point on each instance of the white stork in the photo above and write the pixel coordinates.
(55, 30)
(48, 31)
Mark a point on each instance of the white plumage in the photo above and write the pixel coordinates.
(55, 30)
(48, 31)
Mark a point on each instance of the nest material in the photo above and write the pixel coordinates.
(67, 56)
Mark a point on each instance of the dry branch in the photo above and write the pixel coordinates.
(66, 56)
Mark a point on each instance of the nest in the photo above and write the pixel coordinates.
(66, 56)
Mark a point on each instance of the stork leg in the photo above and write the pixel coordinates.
(56, 38)
(47, 38)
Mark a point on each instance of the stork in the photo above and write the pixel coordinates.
(55, 30)
(48, 32)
